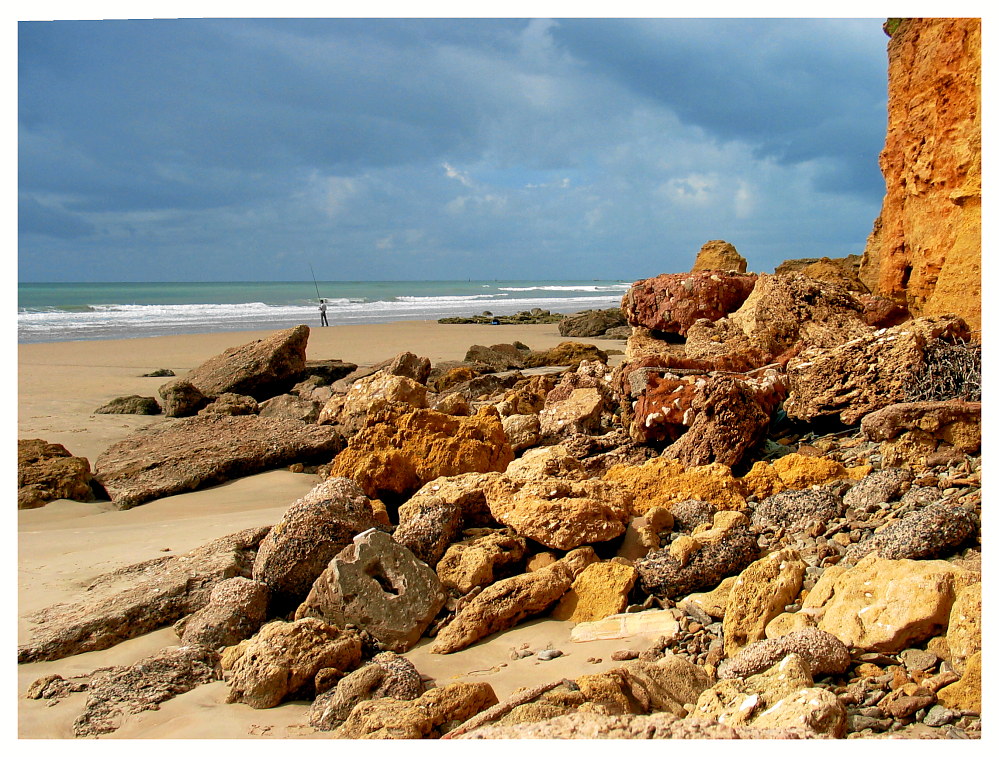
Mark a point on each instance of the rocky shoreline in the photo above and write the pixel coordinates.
(779, 481)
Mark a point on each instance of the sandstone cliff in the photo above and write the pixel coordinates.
(925, 249)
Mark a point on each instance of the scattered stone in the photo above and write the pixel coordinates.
(48, 471)
(387, 675)
(549, 654)
(158, 373)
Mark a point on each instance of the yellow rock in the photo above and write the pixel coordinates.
(759, 595)
(600, 590)
(964, 630)
(661, 482)
(802, 471)
(966, 694)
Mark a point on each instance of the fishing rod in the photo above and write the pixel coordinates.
(314, 280)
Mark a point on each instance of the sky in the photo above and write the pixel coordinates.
(212, 149)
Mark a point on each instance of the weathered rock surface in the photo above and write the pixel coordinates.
(378, 585)
(292, 407)
(310, 534)
(934, 531)
(822, 653)
(48, 471)
(671, 303)
(795, 508)
(661, 483)
(591, 323)
(600, 590)
(282, 660)
(957, 423)
(371, 395)
(710, 555)
(965, 694)
(925, 249)
(230, 403)
(579, 413)
(236, 609)
(261, 369)
(139, 598)
(839, 381)
(131, 404)
(396, 456)
(387, 675)
(560, 514)
(719, 255)
(522, 431)
(434, 713)
(481, 559)
(888, 605)
(566, 353)
(120, 691)
(759, 595)
(411, 366)
(507, 602)
(181, 398)
(964, 629)
(659, 623)
(205, 450)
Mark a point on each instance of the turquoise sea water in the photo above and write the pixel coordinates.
(69, 312)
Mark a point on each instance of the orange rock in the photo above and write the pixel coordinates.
(925, 249)
(661, 482)
(600, 590)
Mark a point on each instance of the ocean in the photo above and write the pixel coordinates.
(72, 312)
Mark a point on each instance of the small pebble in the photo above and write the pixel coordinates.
(549, 654)
(624, 654)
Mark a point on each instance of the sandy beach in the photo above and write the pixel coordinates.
(66, 544)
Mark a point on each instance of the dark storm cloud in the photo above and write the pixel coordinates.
(440, 148)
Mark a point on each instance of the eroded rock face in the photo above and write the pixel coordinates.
(310, 534)
(839, 381)
(261, 369)
(964, 630)
(131, 404)
(925, 249)
(599, 591)
(371, 395)
(591, 323)
(671, 303)
(956, 423)
(181, 398)
(822, 653)
(378, 585)
(290, 406)
(206, 450)
(560, 514)
(127, 690)
(282, 661)
(48, 471)
(139, 598)
(759, 595)
(936, 530)
(396, 456)
(888, 605)
(479, 560)
(230, 403)
(507, 602)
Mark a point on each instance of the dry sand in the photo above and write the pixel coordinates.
(65, 544)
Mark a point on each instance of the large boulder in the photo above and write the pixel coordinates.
(292, 407)
(507, 602)
(48, 471)
(759, 595)
(205, 450)
(599, 591)
(403, 451)
(369, 396)
(139, 598)
(483, 557)
(671, 303)
(261, 369)
(916, 433)
(310, 534)
(888, 605)
(839, 380)
(282, 660)
(378, 585)
(560, 514)
(181, 398)
(719, 255)
(936, 530)
(821, 652)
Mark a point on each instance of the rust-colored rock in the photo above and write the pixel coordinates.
(925, 249)
(261, 369)
(672, 302)
(403, 451)
(718, 255)
(48, 471)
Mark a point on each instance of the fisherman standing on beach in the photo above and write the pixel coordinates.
(322, 313)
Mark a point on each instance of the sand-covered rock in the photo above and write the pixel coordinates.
(310, 534)
(205, 450)
(281, 661)
(139, 598)
(376, 584)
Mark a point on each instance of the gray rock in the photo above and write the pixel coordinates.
(793, 509)
(885, 485)
(230, 403)
(290, 406)
(378, 585)
(822, 652)
(181, 398)
(935, 531)
(131, 404)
